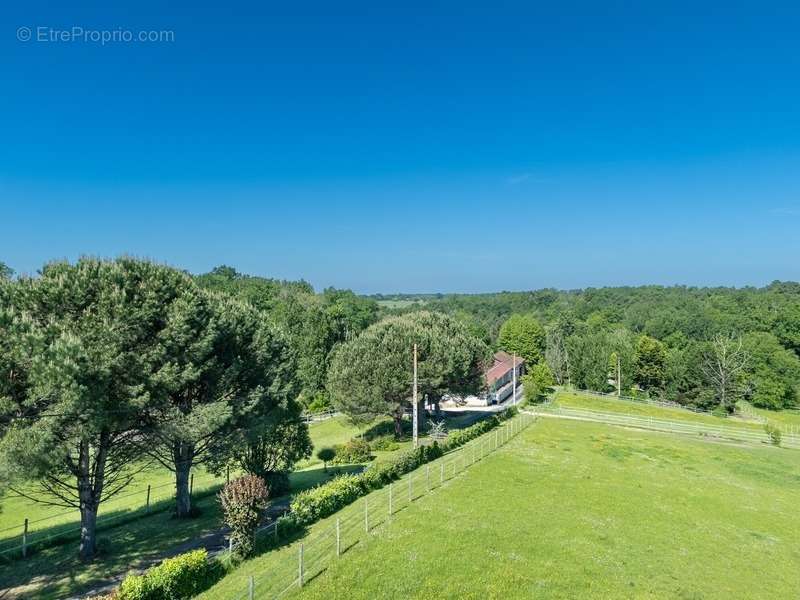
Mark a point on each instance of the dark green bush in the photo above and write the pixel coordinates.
(384, 443)
(353, 452)
(178, 578)
(317, 503)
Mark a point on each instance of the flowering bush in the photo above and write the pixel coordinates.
(242, 502)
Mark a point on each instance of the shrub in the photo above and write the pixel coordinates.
(326, 455)
(773, 433)
(319, 502)
(352, 452)
(242, 501)
(322, 501)
(385, 443)
(178, 578)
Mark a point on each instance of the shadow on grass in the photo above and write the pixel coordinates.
(135, 540)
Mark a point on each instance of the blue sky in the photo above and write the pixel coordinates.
(417, 147)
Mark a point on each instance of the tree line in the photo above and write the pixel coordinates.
(109, 366)
(704, 347)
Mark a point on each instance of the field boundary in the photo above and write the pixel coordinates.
(355, 523)
(735, 434)
(743, 408)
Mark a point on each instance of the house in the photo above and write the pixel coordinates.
(500, 376)
(499, 380)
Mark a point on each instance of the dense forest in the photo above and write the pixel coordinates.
(673, 342)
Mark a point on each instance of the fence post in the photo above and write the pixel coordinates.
(300, 565)
(147, 502)
(338, 538)
(25, 539)
(251, 587)
(427, 478)
(366, 516)
(191, 484)
(390, 500)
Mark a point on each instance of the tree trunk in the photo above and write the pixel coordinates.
(398, 423)
(90, 489)
(183, 454)
(88, 545)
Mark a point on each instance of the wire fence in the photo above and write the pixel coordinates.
(735, 434)
(743, 408)
(23, 538)
(20, 540)
(310, 556)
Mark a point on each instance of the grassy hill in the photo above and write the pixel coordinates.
(571, 509)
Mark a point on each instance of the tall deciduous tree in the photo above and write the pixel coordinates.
(371, 375)
(223, 368)
(772, 374)
(523, 336)
(724, 367)
(650, 363)
(79, 344)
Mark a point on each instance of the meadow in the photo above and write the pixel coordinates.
(131, 537)
(577, 510)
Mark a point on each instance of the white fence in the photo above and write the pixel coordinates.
(736, 434)
(320, 416)
(743, 408)
(354, 524)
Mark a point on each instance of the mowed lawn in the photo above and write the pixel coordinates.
(581, 510)
(642, 409)
(56, 572)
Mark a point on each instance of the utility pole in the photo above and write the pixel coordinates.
(414, 407)
(619, 377)
(514, 379)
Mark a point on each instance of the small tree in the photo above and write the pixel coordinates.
(538, 382)
(326, 455)
(242, 501)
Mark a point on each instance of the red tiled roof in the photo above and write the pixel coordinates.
(503, 363)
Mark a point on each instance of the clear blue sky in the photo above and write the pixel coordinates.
(417, 147)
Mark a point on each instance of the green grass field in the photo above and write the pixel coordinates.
(628, 407)
(49, 519)
(580, 510)
(132, 537)
(55, 571)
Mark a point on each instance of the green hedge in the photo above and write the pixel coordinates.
(312, 505)
(178, 578)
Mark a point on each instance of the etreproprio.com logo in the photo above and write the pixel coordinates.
(77, 34)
